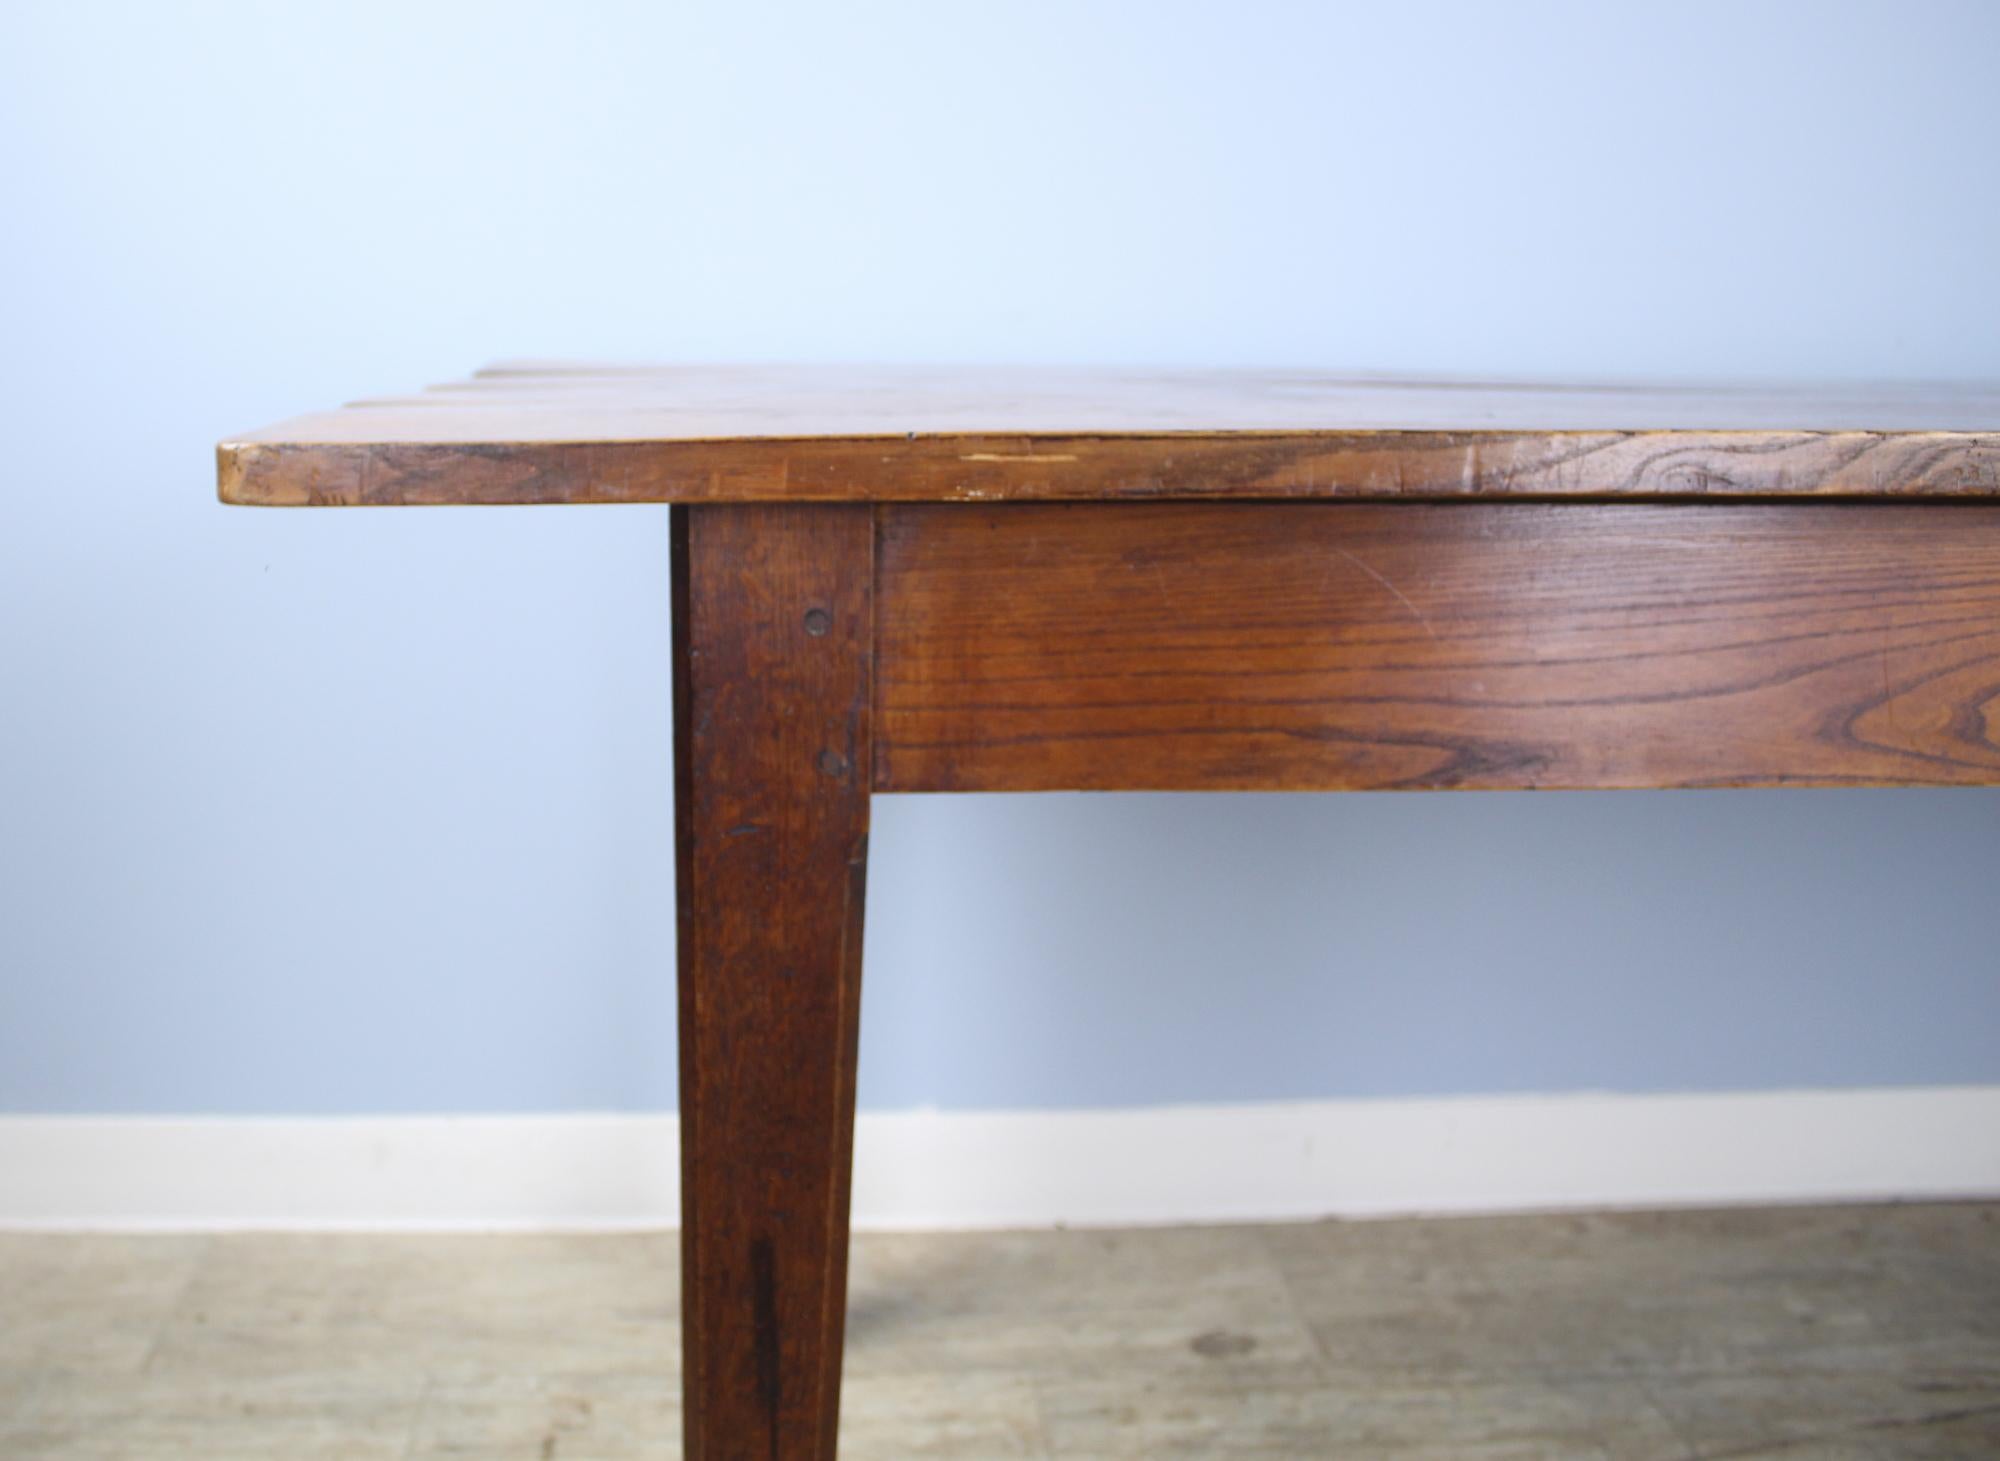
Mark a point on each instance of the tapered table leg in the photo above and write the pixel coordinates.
(773, 643)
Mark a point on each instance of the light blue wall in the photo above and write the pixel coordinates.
(370, 811)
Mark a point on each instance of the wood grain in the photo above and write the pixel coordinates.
(1348, 646)
(772, 652)
(545, 433)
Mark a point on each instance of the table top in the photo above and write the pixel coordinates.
(528, 432)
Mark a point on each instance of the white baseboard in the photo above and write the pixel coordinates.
(1021, 1168)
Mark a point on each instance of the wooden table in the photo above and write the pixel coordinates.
(1015, 580)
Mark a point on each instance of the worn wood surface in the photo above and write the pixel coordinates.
(1777, 1334)
(551, 433)
(773, 627)
(1208, 646)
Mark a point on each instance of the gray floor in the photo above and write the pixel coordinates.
(1801, 1333)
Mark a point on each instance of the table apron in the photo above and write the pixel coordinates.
(1356, 646)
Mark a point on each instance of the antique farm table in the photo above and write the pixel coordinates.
(1014, 580)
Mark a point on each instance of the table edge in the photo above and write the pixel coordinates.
(1084, 466)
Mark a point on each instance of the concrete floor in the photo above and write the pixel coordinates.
(1800, 1333)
